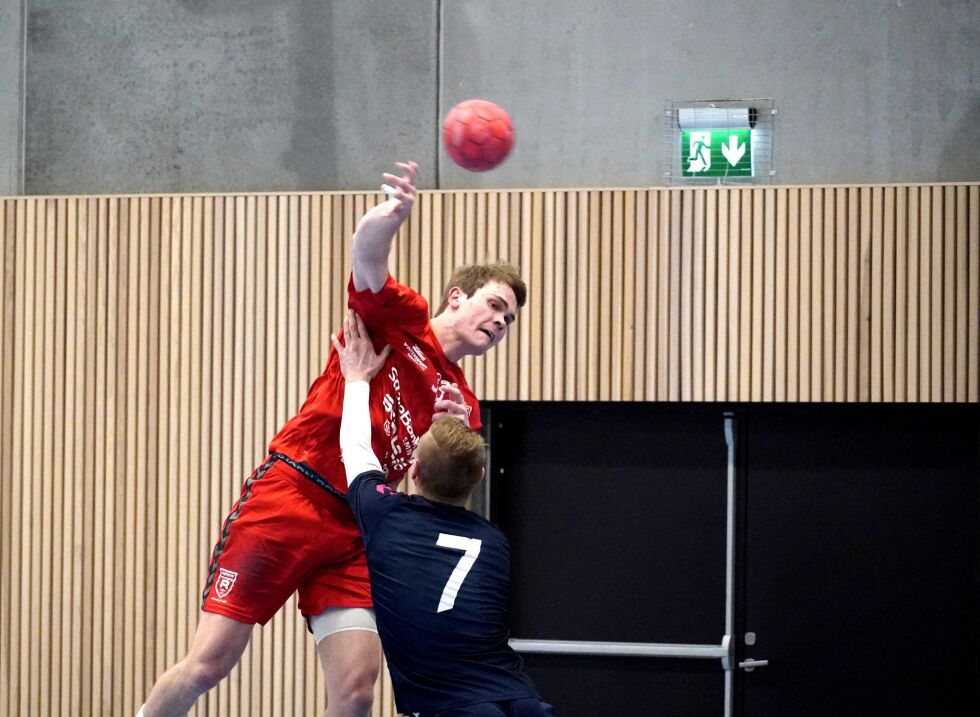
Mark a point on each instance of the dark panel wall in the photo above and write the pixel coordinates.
(856, 560)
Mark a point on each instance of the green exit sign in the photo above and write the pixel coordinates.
(716, 153)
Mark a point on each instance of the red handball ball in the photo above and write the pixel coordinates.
(477, 134)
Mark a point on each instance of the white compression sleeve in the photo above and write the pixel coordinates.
(355, 431)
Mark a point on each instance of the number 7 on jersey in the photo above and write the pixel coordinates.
(471, 550)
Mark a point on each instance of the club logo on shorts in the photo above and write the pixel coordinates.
(225, 582)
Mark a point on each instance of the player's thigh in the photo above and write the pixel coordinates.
(349, 657)
(341, 578)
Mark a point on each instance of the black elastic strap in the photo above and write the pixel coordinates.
(311, 474)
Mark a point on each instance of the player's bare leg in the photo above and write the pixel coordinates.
(218, 646)
(351, 661)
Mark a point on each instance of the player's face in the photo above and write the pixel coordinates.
(483, 318)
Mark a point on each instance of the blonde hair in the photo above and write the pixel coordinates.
(451, 458)
(471, 278)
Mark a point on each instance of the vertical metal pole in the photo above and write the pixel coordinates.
(730, 561)
(480, 498)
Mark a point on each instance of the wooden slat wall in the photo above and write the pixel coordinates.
(151, 345)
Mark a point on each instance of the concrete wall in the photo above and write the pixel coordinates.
(11, 95)
(866, 90)
(221, 95)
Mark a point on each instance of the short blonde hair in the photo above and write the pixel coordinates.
(451, 459)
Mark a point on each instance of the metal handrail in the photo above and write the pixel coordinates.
(628, 649)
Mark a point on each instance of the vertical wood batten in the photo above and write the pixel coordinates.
(875, 292)
(515, 228)
(901, 293)
(65, 458)
(840, 295)
(577, 361)
(127, 475)
(17, 679)
(531, 261)
(924, 298)
(177, 569)
(150, 333)
(114, 380)
(91, 398)
(829, 296)
(616, 295)
(549, 376)
(768, 317)
(183, 287)
(936, 298)
(757, 375)
(23, 466)
(649, 270)
(888, 297)
(32, 490)
(912, 298)
(559, 315)
(709, 364)
(675, 306)
(949, 295)
(973, 295)
(745, 264)
(163, 574)
(733, 233)
(959, 328)
(685, 294)
(781, 297)
(817, 297)
(793, 295)
(806, 332)
(726, 274)
(6, 446)
(46, 464)
(865, 299)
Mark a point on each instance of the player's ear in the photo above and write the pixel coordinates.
(455, 297)
(413, 470)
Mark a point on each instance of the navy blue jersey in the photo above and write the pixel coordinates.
(440, 577)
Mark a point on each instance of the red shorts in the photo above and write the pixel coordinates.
(286, 534)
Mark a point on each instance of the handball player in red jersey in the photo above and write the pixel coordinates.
(291, 529)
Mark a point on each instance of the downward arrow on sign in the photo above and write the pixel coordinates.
(733, 151)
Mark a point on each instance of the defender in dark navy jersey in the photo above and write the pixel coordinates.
(440, 574)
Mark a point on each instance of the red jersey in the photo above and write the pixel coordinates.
(403, 393)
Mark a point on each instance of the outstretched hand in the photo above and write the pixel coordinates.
(358, 359)
(401, 192)
(404, 185)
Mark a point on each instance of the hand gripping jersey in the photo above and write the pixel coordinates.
(402, 394)
(440, 577)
